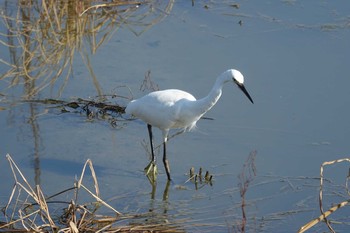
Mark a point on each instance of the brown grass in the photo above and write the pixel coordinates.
(28, 210)
(246, 177)
(325, 214)
(43, 37)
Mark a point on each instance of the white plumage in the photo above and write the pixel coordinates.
(176, 109)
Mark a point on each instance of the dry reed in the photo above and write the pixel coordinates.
(325, 214)
(28, 210)
(43, 37)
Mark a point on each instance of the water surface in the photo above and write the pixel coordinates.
(294, 56)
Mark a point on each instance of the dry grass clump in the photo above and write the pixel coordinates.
(324, 217)
(29, 210)
(42, 37)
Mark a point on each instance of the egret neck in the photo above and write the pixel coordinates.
(201, 106)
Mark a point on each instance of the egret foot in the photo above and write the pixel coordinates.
(151, 171)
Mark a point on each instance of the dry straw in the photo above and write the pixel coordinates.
(43, 37)
(29, 206)
(29, 210)
(325, 214)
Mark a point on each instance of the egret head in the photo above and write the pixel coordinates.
(238, 78)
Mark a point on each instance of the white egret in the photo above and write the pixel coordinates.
(176, 109)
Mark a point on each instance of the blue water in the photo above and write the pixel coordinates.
(294, 56)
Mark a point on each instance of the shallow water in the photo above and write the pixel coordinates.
(294, 56)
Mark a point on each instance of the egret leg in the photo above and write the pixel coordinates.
(151, 141)
(151, 168)
(165, 161)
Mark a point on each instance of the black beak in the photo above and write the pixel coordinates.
(241, 86)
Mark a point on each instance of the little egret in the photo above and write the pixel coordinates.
(176, 109)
